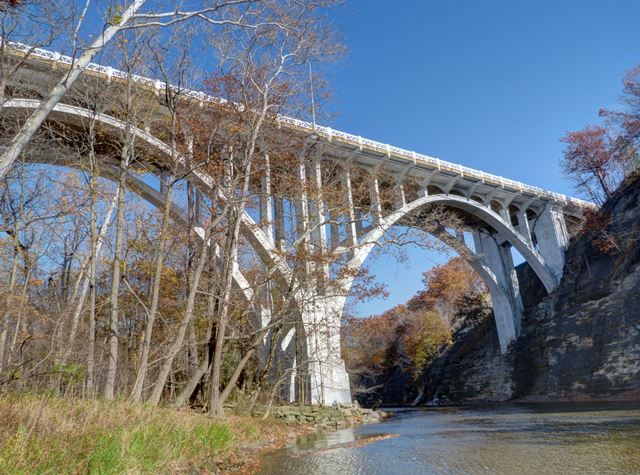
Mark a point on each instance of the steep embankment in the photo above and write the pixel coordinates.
(582, 342)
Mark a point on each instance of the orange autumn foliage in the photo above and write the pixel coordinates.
(409, 336)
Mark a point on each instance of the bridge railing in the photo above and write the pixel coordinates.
(325, 132)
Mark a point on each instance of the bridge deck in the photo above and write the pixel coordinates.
(366, 152)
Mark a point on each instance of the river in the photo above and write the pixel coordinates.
(510, 440)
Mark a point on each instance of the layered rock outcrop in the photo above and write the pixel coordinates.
(582, 342)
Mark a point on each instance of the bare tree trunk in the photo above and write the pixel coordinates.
(193, 382)
(231, 251)
(8, 302)
(184, 323)
(93, 265)
(204, 366)
(234, 379)
(18, 325)
(603, 183)
(109, 388)
(13, 276)
(97, 238)
(136, 393)
(230, 256)
(89, 282)
(192, 342)
(263, 374)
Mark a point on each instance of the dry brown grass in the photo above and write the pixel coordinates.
(41, 435)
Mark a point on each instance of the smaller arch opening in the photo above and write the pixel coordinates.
(513, 214)
(411, 189)
(531, 214)
(434, 190)
(496, 206)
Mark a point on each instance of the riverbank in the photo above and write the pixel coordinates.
(41, 434)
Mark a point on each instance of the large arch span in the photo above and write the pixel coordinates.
(251, 231)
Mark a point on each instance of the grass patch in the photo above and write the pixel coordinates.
(44, 435)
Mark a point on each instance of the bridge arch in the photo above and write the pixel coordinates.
(250, 230)
(491, 260)
(484, 213)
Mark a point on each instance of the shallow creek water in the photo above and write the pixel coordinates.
(509, 440)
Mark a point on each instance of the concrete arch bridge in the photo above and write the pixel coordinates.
(380, 186)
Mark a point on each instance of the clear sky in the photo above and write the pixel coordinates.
(489, 84)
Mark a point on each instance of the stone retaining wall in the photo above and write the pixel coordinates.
(328, 417)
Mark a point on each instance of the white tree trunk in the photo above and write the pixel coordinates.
(136, 393)
(22, 138)
(87, 280)
(109, 388)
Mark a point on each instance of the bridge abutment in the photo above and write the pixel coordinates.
(552, 238)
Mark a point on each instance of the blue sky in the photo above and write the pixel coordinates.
(489, 84)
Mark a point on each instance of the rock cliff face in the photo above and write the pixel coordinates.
(582, 342)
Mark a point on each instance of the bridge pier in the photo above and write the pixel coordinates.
(328, 381)
(504, 288)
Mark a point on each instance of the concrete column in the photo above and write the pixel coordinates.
(266, 204)
(302, 209)
(292, 381)
(328, 379)
(523, 225)
(278, 218)
(302, 204)
(284, 359)
(551, 234)
(400, 197)
(512, 284)
(424, 185)
(423, 192)
(504, 214)
(352, 236)
(376, 207)
(319, 214)
(505, 292)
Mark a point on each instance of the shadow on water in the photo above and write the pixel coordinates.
(584, 438)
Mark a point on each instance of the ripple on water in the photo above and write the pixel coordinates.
(532, 439)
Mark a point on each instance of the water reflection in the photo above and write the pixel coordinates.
(548, 439)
